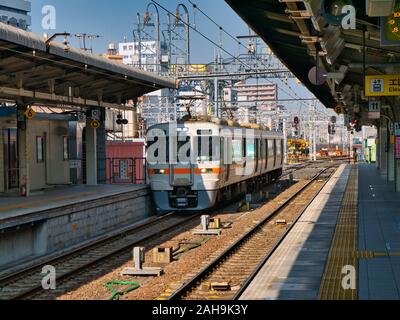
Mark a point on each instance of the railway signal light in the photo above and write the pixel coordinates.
(331, 129)
(121, 121)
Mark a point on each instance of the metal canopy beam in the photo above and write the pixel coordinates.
(32, 71)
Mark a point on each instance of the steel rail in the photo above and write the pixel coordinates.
(187, 287)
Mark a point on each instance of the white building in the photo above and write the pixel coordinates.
(146, 57)
(16, 13)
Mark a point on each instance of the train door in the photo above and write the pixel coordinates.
(10, 150)
(182, 173)
(225, 157)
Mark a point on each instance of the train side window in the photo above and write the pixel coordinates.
(208, 148)
(282, 151)
(244, 148)
(275, 152)
(237, 151)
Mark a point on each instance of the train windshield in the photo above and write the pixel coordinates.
(208, 148)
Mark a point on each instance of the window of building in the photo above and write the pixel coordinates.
(65, 148)
(40, 149)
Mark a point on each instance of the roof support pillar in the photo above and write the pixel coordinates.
(23, 151)
(91, 153)
(391, 160)
(383, 148)
(101, 148)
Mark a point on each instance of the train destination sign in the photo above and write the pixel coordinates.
(382, 85)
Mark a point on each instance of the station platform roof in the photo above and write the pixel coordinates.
(35, 71)
(298, 33)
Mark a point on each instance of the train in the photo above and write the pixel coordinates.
(193, 165)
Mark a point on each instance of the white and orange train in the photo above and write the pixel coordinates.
(221, 162)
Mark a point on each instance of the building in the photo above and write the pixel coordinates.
(16, 13)
(48, 144)
(144, 56)
(255, 101)
(261, 94)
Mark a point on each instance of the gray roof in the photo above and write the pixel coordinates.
(25, 59)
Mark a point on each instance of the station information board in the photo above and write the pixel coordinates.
(382, 85)
(390, 28)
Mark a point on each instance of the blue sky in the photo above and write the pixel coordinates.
(114, 20)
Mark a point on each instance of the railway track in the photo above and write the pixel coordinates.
(75, 267)
(27, 283)
(230, 272)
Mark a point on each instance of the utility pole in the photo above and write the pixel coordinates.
(85, 36)
(284, 140)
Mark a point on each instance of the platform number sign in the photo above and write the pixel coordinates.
(374, 106)
(374, 110)
(30, 113)
(339, 110)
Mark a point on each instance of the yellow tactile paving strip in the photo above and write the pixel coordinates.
(344, 246)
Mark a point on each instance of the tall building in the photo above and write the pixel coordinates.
(16, 13)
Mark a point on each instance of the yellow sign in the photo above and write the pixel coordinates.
(95, 124)
(382, 85)
(339, 109)
(30, 113)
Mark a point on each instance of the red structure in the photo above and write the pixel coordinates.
(126, 162)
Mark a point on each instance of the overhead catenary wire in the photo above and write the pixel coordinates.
(236, 40)
(217, 45)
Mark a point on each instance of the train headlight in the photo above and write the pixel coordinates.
(206, 170)
(160, 171)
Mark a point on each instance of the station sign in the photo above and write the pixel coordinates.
(390, 28)
(75, 164)
(382, 85)
(30, 113)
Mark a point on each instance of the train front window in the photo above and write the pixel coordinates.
(208, 148)
(158, 149)
(184, 149)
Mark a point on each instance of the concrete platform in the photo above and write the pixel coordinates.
(61, 218)
(12, 207)
(296, 268)
(379, 235)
